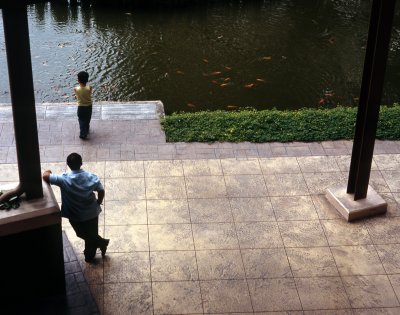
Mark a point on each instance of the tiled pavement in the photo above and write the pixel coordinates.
(194, 232)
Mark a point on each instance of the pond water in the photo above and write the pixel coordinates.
(219, 55)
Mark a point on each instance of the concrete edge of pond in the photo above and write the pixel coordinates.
(137, 110)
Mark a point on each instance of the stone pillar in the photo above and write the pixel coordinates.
(16, 35)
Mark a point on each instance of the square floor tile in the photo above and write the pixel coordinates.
(370, 291)
(357, 260)
(125, 212)
(124, 189)
(118, 169)
(205, 187)
(286, 185)
(240, 167)
(128, 238)
(202, 167)
(387, 162)
(97, 168)
(245, 186)
(178, 297)
(312, 262)
(128, 298)
(377, 182)
(225, 296)
(170, 237)
(390, 257)
(322, 293)
(259, 235)
(330, 312)
(294, 208)
(378, 311)
(393, 206)
(220, 264)
(215, 236)
(317, 183)
(266, 263)
(165, 188)
(274, 294)
(127, 267)
(173, 266)
(311, 164)
(286, 165)
(302, 234)
(384, 230)
(93, 273)
(340, 232)
(210, 210)
(252, 209)
(395, 282)
(392, 178)
(163, 168)
(168, 211)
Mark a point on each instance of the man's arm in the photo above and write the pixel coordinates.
(46, 176)
(100, 196)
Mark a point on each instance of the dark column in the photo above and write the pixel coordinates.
(380, 28)
(22, 97)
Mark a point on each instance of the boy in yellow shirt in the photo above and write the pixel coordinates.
(83, 94)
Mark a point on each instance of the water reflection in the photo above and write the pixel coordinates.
(259, 53)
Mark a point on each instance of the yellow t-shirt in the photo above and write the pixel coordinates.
(84, 95)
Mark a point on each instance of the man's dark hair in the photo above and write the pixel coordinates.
(74, 161)
(83, 77)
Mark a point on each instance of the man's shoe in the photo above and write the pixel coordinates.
(103, 248)
(89, 260)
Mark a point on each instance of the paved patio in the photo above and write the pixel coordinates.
(227, 228)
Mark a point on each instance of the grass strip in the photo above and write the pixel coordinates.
(275, 125)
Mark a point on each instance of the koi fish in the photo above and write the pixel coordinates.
(250, 86)
(216, 73)
(224, 84)
(232, 107)
(214, 82)
(227, 68)
(331, 40)
(180, 72)
(205, 60)
(260, 80)
(321, 102)
(266, 58)
(227, 79)
(191, 105)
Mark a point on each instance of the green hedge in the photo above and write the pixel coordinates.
(275, 125)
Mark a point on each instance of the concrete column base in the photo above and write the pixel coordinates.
(352, 210)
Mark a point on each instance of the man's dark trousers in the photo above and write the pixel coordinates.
(89, 231)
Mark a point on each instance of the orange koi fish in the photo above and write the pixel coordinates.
(205, 60)
(216, 73)
(180, 72)
(266, 58)
(250, 86)
(191, 105)
(224, 84)
(227, 79)
(214, 82)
